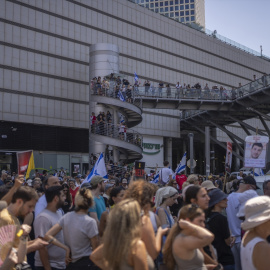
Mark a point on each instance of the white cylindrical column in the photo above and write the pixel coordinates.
(104, 60)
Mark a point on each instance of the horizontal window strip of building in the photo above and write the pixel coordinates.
(126, 56)
(43, 74)
(128, 39)
(16, 92)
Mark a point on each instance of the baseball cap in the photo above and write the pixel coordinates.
(97, 179)
(86, 185)
(124, 181)
(251, 181)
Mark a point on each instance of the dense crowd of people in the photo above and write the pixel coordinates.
(180, 222)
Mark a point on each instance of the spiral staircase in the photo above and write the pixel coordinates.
(129, 145)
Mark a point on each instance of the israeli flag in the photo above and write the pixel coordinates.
(120, 96)
(156, 179)
(99, 169)
(182, 165)
(136, 78)
(257, 172)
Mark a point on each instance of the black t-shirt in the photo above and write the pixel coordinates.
(218, 225)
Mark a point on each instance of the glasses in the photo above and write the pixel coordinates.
(65, 190)
(174, 183)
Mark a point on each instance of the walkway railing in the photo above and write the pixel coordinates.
(119, 132)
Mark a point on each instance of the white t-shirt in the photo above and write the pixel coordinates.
(164, 174)
(233, 221)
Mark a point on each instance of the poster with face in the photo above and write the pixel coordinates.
(228, 161)
(255, 151)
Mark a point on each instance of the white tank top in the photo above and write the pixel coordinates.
(246, 253)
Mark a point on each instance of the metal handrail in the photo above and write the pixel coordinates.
(119, 132)
(132, 93)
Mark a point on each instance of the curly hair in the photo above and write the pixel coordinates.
(83, 199)
(142, 192)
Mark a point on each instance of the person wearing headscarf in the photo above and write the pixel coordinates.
(166, 197)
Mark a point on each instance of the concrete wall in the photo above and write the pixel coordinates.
(44, 73)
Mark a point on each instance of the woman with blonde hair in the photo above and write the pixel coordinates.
(143, 192)
(124, 249)
(185, 239)
(80, 232)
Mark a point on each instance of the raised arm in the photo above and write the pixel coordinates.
(197, 237)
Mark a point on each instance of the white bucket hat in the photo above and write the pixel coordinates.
(257, 212)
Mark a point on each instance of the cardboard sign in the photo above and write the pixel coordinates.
(139, 169)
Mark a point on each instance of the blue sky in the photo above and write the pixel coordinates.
(244, 21)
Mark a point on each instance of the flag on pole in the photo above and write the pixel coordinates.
(257, 172)
(120, 96)
(182, 165)
(31, 165)
(136, 78)
(99, 169)
(156, 179)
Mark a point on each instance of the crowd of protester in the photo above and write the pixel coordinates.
(177, 222)
(121, 88)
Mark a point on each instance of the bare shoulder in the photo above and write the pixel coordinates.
(261, 255)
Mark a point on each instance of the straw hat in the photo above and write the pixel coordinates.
(208, 185)
(257, 212)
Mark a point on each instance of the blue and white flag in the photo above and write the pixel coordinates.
(156, 179)
(136, 78)
(257, 172)
(120, 96)
(182, 165)
(99, 169)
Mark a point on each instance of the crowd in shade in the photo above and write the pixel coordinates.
(123, 222)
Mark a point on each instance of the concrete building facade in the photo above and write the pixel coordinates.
(44, 70)
(184, 11)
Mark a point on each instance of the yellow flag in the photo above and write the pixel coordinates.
(31, 165)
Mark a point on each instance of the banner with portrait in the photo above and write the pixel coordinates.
(228, 160)
(255, 151)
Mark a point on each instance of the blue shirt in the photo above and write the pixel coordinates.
(99, 206)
